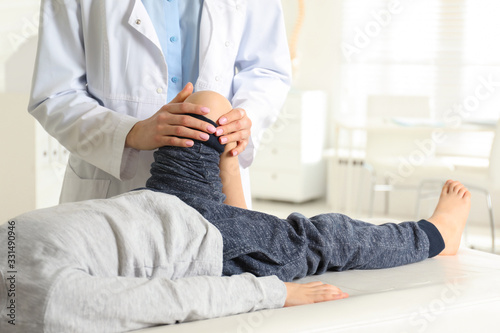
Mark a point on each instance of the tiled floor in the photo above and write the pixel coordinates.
(475, 237)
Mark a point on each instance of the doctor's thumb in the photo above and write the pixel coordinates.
(183, 94)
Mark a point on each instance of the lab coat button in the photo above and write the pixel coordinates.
(228, 43)
(217, 78)
(137, 21)
(159, 90)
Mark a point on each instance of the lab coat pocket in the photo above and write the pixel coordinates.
(76, 188)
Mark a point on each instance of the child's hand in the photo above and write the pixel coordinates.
(312, 292)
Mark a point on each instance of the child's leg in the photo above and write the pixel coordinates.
(217, 103)
(266, 245)
(301, 246)
(229, 165)
(298, 246)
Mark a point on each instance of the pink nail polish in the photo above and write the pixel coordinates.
(189, 143)
(205, 110)
(204, 136)
(211, 128)
(223, 140)
(222, 121)
(219, 132)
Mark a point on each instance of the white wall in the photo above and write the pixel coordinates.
(18, 23)
(318, 47)
(22, 167)
(17, 169)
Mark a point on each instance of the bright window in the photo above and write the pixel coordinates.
(442, 49)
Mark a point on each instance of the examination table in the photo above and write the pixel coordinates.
(442, 294)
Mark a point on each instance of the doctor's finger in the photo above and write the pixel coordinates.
(186, 133)
(182, 108)
(238, 125)
(243, 125)
(175, 141)
(190, 122)
(235, 136)
(183, 94)
(240, 147)
(232, 116)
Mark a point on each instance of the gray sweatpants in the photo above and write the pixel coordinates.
(289, 248)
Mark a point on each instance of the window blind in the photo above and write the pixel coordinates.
(447, 50)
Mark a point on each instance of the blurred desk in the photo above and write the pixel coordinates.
(348, 152)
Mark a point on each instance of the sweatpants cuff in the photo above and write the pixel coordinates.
(213, 141)
(436, 241)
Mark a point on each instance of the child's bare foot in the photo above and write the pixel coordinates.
(451, 214)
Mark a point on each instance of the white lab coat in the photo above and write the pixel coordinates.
(100, 69)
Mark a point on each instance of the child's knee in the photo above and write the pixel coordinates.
(217, 103)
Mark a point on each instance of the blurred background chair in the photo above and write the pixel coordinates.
(387, 148)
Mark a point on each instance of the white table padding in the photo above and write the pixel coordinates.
(442, 294)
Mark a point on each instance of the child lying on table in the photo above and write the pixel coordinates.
(185, 248)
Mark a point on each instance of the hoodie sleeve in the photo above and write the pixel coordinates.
(123, 304)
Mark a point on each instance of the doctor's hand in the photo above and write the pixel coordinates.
(235, 126)
(170, 123)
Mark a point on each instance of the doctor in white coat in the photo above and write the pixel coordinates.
(102, 81)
